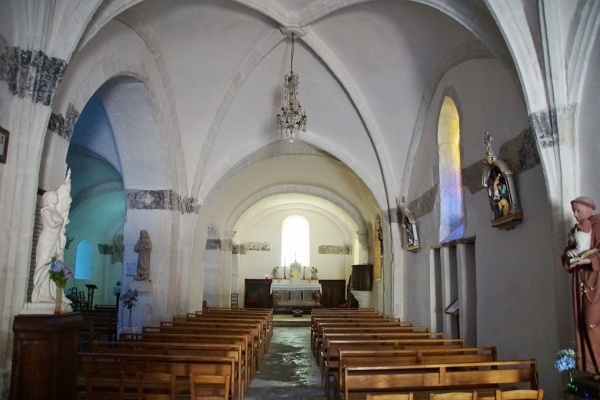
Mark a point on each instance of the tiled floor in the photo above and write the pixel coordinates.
(289, 370)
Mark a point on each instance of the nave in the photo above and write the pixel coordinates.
(289, 371)
(344, 354)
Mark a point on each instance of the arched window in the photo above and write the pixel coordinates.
(83, 262)
(295, 240)
(451, 194)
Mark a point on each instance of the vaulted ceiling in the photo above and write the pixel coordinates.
(367, 71)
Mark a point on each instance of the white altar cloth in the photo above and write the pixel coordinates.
(288, 287)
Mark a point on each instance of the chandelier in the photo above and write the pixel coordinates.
(291, 118)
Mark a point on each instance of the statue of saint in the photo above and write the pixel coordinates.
(276, 297)
(584, 267)
(52, 240)
(143, 247)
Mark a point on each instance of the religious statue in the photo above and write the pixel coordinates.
(117, 249)
(276, 297)
(143, 247)
(51, 242)
(275, 273)
(317, 296)
(584, 266)
(313, 273)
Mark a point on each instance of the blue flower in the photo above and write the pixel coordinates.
(565, 360)
(59, 273)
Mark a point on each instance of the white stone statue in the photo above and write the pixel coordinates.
(51, 242)
(143, 247)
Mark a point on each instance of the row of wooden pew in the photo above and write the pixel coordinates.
(364, 353)
(211, 354)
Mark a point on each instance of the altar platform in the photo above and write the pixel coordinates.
(287, 296)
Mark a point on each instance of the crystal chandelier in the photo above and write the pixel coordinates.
(291, 118)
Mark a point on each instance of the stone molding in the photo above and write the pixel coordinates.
(160, 200)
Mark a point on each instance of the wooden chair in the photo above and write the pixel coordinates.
(209, 387)
(522, 394)
(155, 386)
(453, 396)
(404, 396)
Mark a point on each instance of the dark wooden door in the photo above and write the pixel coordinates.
(333, 293)
(257, 293)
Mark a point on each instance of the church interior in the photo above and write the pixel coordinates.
(437, 142)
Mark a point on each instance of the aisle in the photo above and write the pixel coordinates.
(288, 370)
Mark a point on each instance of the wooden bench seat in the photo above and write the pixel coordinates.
(212, 329)
(116, 375)
(377, 357)
(423, 379)
(386, 327)
(245, 340)
(254, 327)
(193, 349)
(322, 350)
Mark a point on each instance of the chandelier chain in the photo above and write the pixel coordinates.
(291, 118)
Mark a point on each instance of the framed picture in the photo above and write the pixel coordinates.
(3, 145)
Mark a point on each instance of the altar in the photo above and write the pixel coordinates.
(304, 295)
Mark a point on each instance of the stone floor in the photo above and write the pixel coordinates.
(288, 370)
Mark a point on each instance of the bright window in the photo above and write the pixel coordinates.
(451, 194)
(83, 262)
(295, 241)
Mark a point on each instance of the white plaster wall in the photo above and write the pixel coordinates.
(510, 265)
(588, 130)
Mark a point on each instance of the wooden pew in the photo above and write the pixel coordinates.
(99, 371)
(266, 314)
(320, 325)
(378, 357)
(98, 324)
(333, 347)
(253, 326)
(216, 329)
(322, 350)
(389, 327)
(424, 379)
(266, 325)
(245, 340)
(167, 348)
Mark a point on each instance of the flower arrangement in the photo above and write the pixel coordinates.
(129, 301)
(565, 360)
(130, 298)
(59, 273)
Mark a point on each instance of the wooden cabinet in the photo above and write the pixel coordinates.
(333, 293)
(44, 363)
(257, 293)
(362, 277)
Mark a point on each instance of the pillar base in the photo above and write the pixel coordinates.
(363, 297)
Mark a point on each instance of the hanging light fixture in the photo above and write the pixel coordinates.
(291, 118)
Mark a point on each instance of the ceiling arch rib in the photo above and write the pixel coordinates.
(456, 56)
(302, 189)
(238, 80)
(479, 23)
(365, 114)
